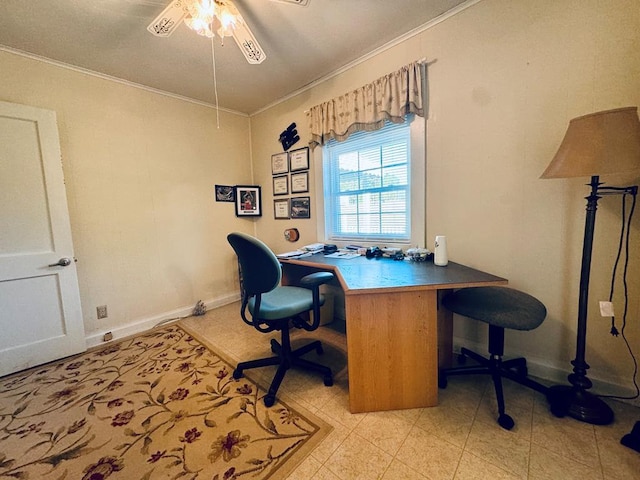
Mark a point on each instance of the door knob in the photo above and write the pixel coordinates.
(63, 262)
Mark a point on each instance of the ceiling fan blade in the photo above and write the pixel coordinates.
(165, 23)
(248, 44)
(297, 2)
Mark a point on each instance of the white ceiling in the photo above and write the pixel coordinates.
(302, 43)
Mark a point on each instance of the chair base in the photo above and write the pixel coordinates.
(632, 440)
(513, 369)
(285, 359)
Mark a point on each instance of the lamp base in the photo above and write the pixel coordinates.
(579, 404)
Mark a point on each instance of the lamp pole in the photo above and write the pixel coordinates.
(575, 400)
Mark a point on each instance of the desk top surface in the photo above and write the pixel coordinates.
(362, 275)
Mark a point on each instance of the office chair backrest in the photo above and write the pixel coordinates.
(261, 271)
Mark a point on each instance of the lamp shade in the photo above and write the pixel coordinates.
(600, 143)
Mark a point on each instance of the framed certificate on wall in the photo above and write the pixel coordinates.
(281, 185)
(299, 159)
(300, 182)
(281, 208)
(279, 163)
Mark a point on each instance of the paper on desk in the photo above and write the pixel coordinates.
(345, 255)
(294, 253)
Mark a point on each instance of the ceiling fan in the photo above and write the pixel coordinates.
(209, 16)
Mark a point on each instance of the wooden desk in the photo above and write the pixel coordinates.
(396, 332)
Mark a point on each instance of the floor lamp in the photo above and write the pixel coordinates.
(601, 143)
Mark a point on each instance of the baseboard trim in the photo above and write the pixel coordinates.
(141, 325)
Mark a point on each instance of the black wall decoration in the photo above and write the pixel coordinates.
(289, 137)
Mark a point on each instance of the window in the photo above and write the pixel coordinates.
(370, 186)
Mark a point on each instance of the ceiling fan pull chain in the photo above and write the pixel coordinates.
(215, 82)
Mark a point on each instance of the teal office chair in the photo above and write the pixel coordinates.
(274, 307)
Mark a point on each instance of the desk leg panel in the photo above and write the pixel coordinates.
(392, 347)
(445, 332)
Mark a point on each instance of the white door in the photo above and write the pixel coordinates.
(40, 314)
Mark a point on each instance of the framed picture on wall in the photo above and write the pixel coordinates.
(225, 193)
(300, 182)
(299, 159)
(300, 207)
(281, 185)
(279, 163)
(248, 201)
(281, 208)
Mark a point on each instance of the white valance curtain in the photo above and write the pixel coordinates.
(390, 97)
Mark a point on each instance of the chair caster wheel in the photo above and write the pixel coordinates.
(269, 400)
(237, 374)
(442, 382)
(505, 421)
(328, 381)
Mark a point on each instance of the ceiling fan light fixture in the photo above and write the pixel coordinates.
(199, 26)
(206, 17)
(229, 18)
(203, 16)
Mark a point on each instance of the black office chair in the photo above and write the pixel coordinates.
(501, 308)
(274, 307)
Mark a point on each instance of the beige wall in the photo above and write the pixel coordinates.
(505, 77)
(504, 80)
(140, 170)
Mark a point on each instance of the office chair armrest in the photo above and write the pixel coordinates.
(313, 282)
(315, 279)
(256, 323)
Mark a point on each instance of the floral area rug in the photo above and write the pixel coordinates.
(161, 405)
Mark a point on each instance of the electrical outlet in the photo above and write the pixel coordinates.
(606, 309)
(101, 311)
(107, 337)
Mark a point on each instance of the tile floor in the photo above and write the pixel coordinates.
(459, 439)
